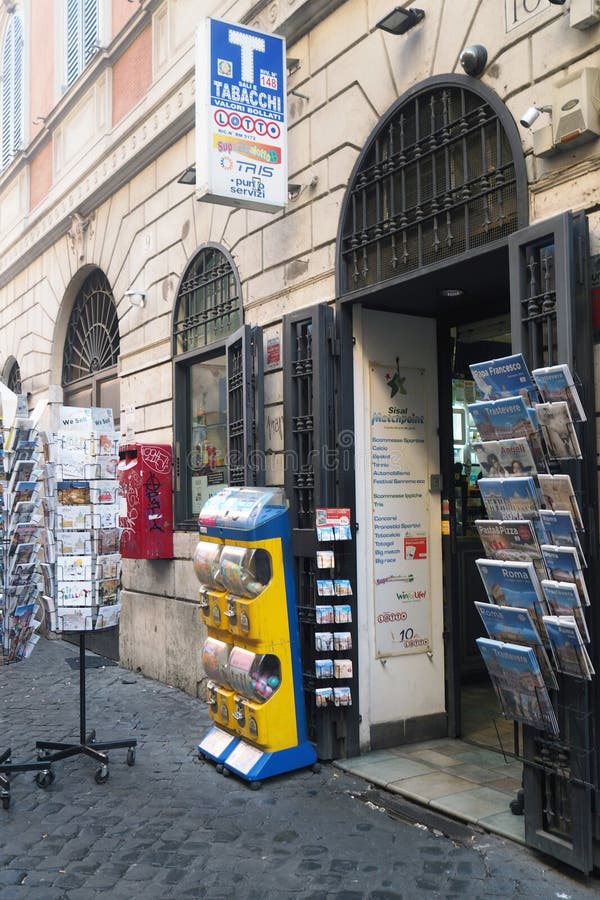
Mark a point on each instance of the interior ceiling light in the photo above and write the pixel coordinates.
(399, 20)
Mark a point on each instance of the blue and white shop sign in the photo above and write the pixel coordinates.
(241, 127)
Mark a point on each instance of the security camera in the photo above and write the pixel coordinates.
(532, 114)
(473, 59)
(529, 117)
(137, 296)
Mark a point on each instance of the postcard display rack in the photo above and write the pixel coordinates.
(251, 656)
(82, 562)
(534, 570)
(20, 587)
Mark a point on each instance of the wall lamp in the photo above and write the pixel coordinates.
(532, 114)
(188, 177)
(137, 297)
(399, 20)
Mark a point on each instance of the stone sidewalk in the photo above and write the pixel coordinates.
(171, 827)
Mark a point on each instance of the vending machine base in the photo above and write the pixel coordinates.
(249, 762)
(217, 744)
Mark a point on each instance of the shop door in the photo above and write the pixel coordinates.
(551, 323)
(473, 710)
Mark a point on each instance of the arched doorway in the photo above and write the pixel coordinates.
(423, 281)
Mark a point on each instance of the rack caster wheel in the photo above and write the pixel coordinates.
(6, 801)
(45, 778)
(131, 756)
(219, 768)
(101, 776)
(316, 767)
(201, 756)
(255, 785)
(226, 772)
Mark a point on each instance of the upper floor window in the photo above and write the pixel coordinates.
(82, 35)
(12, 89)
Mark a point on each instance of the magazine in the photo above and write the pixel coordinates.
(505, 377)
(515, 626)
(563, 564)
(570, 654)
(519, 684)
(514, 584)
(503, 459)
(559, 433)
(557, 493)
(510, 498)
(563, 599)
(556, 383)
(560, 530)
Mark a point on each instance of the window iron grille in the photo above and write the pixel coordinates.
(209, 303)
(92, 343)
(437, 180)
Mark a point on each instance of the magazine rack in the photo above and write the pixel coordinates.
(20, 588)
(82, 566)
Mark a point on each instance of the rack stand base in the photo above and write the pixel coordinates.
(44, 777)
(52, 751)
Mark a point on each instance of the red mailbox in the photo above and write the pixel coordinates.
(145, 501)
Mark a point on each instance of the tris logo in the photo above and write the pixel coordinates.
(249, 45)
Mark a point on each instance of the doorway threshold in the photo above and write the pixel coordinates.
(462, 781)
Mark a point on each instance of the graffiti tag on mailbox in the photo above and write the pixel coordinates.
(157, 459)
(152, 490)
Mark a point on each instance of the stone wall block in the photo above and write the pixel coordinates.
(142, 644)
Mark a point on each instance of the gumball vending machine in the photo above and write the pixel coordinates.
(251, 655)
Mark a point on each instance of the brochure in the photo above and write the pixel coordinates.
(563, 564)
(519, 684)
(560, 530)
(511, 539)
(557, 493)
(505, 377)
(558, 430)
(556, 383)
(510, 498)
(563, 599)
(567, 645)
(501, 419)
(503, 459)
(515, 626)
(514, 584)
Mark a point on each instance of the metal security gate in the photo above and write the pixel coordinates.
(312, 468)
(551, 323)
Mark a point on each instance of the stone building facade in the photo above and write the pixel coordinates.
(91, 189)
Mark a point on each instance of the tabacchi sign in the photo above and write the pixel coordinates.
(241, 139)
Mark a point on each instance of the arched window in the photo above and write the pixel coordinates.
(208, 302)
(89, 373)
(217, 397)
(12, 90)
(82, 36)
(441, 175)
(13, 379)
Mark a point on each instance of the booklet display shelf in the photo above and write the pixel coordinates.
(82, 562)
(534, 567)
(20, 535)
(251, 655)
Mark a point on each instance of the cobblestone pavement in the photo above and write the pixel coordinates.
(171, 827)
